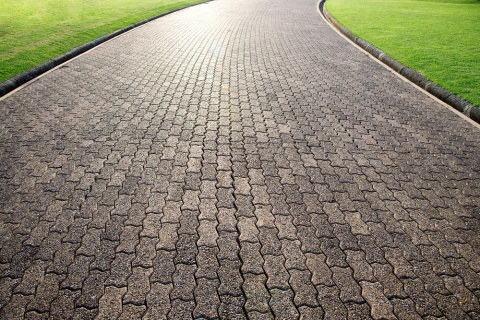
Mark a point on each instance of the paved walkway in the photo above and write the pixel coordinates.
(236, 159)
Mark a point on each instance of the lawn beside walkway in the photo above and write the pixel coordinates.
(438, 38)
(35, 31)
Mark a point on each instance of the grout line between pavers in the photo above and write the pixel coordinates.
(461, 106)
(23, 79)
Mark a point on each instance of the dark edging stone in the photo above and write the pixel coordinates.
(453, 100)
(475, 114)
(19, 80)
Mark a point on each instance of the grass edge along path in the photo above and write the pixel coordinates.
(437, 38)
(35, 33)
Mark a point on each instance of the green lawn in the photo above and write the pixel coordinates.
(438, 38)
(35, 31)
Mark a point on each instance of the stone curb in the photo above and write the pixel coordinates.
(453, 100)
(19, 80)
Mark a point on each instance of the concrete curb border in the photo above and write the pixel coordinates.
(451, 99)
(24, 77)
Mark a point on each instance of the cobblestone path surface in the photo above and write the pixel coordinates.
(237, 159)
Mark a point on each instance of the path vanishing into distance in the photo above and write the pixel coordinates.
(233, 160)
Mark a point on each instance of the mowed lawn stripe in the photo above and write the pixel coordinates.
(438, 38)
(35, 31)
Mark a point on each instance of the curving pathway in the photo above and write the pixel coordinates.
(237, 159)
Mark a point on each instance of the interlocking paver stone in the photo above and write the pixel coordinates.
(234, 160)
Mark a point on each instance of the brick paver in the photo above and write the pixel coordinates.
(237, 159)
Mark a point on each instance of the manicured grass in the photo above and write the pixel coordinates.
(438, 38)
(35, 31)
